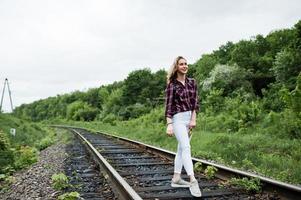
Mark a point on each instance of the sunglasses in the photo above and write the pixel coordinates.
(182, 64)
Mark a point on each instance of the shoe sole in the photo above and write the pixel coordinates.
(195, 195)
(179, 186)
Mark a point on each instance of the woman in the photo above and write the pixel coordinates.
(181, 107)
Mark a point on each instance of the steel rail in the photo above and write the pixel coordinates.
(285, 190)
(122, 189)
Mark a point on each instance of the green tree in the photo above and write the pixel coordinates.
(204, 66)
(228, 78)
(287, 66)
(134, 111)
(293, 99)
(155, 89)
(279, 40)
(223, 54)
(92, 97)
(136, 87)
(112, 103)
(80, 110)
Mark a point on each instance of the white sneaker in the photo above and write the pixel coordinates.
(180, 183)
(195, 189)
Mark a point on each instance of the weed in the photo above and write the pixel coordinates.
(251, 185)
(2, 177)
(198, 167)
(59, 181)
(69, 196)
(25, 156)
(6, 182)
(44, 143)
(210, 172)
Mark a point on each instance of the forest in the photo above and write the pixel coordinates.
(250, 106)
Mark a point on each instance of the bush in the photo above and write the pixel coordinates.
(80, 110)
(287, 66)
(25, 156)
(44, 143)
(110, 118)
(251, 185)
(134, 111)
(59, 181)
(6, 154)
(210, 171)
(272, 100)
(87, 113)
(69, 196)
(237, 113)
(285, 124)
(214, 101)
(228, 78)
(198, 167)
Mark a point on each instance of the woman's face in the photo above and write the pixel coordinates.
(182, 66)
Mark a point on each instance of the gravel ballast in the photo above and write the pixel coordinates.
(35, 182)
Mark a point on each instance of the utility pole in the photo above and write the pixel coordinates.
(9, 92)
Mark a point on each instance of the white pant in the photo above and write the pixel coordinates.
(183, 157)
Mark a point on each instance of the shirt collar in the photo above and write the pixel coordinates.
(186, 81)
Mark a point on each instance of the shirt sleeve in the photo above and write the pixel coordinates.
(169, 100)
(195, 103)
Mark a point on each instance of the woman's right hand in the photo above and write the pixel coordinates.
(169, 130)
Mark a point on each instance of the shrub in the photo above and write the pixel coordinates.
(69, 196)
(80, 110)
(87, 113)
(134, 111)
(284, 124)
(44, 143)
(198, 167)
(251, 185)
(214, 101)
(272, 100)
(6, 181)
(210, 172)
(287, 66)
(59, 181)
(6, 154)
(110, 118)
(226, 77)
(25, 156)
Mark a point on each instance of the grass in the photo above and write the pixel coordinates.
(22, 150)
(255, 152)
(27, 133)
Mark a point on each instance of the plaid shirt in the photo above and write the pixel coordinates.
(180, 98)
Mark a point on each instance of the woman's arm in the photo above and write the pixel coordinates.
(169, 128)
(169, 101)
(192, 122)
(168, 120)
(168, 109)
(195, 98)
(195, 105)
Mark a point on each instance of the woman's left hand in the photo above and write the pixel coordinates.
(192, 124)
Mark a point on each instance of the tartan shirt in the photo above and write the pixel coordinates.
(180, 98)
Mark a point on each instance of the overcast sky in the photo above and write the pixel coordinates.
(50, 47)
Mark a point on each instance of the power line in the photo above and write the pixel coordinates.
(9, 92)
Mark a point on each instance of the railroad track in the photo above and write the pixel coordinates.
(83, 174)
(139, 171)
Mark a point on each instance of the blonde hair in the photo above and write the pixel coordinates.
(172, 73)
